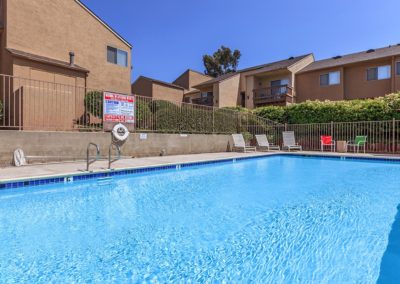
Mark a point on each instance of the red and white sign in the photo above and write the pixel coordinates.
(118, 108)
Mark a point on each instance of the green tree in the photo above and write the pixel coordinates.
(223, 61)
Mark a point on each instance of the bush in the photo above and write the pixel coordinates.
(1, 110)
(94, 103)
(143, 115)
(384, 108)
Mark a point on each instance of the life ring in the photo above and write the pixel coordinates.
(120, 132)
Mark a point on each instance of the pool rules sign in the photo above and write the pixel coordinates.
(118, 108)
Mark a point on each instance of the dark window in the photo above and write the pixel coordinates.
(398, 68)
(243, 99)
(372, 74)
(324, 80)
(187, 100)
(117, 56)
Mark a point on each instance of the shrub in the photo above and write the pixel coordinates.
(1, 110)
(384, 108)
(143, 115)
(94, 103)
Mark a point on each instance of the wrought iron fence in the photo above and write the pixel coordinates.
(27, 104)
(178, 117)
(382, 136)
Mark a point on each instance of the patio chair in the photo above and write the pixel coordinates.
(262, 142)
(360, 141)
(240, 144)
(328, 141)
(289, 142)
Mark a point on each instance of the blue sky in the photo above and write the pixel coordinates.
(170, 36)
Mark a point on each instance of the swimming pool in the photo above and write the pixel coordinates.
(267, 220)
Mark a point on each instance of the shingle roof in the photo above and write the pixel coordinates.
(353, 58)
(278, 65)
(160, 82)
(46, 60)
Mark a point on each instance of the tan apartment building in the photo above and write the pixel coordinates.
(267, 84)
(368, 74)
(176, 91)
(61, 42)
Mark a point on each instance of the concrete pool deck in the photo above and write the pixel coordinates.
(72, 168)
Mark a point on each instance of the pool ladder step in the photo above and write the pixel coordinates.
(104, 181)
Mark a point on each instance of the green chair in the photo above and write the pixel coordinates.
(359, 142)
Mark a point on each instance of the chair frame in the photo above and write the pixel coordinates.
(296, 146)
(332, 145)
(269, 147)
(243, 148)
(358, 145)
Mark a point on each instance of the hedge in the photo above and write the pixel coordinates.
(383, 108)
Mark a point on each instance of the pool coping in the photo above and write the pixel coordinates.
(106, 173)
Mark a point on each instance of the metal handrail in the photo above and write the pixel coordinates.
(88, 162)
(110, 148)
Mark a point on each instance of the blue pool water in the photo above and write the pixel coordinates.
(270, 220)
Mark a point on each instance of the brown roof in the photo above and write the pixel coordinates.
(273, 66)
(46, 60)
(160, 82)
(370, 54)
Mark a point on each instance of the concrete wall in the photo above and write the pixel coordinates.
(72, 145)
(53, 28)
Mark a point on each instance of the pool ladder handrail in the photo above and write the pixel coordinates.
(110, 148)
(88, 161)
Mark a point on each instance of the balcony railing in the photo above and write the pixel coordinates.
(273, 95)
(205, 101)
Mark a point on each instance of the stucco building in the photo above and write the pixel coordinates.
(61, 42)
(368, 74)
(175, 91)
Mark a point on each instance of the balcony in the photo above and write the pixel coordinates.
(277, 95)
(205, 101)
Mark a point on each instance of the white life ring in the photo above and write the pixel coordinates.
(19, 158)
(120, 132)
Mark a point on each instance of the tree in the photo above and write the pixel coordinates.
(223, 61)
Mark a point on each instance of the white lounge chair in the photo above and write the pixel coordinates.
(240, 144)
(289, 142)
(262, 142)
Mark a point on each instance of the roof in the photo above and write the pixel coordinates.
(370, 54)
(273, 66)
(104, 23)
(159, 82)
(46, 60)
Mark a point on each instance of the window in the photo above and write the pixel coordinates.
(398, 68)
(331, 78)
(117, 56)
(379, 73)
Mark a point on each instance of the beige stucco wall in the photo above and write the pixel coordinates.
(228, 95)
(72, 145)
(308, 86)
(353, 83)
(189, 79)
(53, 28)
(161, 92)
(142, 87)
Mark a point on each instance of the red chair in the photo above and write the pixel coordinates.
(328, 141)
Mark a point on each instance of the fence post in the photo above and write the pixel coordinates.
(394, 136)
(332, 134)
(285, 126)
